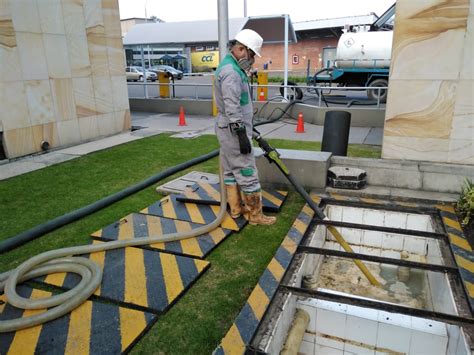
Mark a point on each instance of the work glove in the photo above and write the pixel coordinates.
(238, 129)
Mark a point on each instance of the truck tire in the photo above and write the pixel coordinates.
(373, 94)
(294, 92)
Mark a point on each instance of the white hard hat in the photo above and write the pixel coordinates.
(250, 39)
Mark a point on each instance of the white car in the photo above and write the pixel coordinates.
(136, 74)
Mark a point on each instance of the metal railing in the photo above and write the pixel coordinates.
(195, 91)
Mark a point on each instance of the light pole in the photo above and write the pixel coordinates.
(146, 16)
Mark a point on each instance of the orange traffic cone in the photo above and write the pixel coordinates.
(182, 119)
(300, 123)
(261, 95)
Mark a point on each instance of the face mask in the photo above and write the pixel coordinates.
(246, 63)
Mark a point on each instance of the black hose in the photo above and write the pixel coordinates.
(41, 229)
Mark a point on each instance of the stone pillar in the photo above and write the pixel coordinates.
(430, 107)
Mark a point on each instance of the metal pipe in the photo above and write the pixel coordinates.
(296, 333)
(145, 88)
(223, 27)
(245, 8)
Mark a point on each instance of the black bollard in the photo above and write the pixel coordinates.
(336, 132)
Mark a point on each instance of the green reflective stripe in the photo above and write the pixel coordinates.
(251, 191)
(247, 171)
(244, 98)
(230, 181)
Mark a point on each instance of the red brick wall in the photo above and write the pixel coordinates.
(305, 49)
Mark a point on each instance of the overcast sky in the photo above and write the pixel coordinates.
(299, 10)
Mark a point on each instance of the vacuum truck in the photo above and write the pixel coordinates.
(362, 59)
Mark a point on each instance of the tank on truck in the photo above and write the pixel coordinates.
(363, 58)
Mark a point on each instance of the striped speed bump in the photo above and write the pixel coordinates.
(139, 278)
(137, 225)
(461, 248)
(209, 194)
(92, 328)
(169, 207)
(241, 332)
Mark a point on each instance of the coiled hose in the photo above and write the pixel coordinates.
(63, 260)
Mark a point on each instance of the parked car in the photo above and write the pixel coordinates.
(136, 74)
(177, 74)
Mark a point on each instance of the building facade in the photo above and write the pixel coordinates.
(312, 44)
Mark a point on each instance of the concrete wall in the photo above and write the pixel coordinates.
(414, 175)
(360, 117)
(62, 76)
(430, 107)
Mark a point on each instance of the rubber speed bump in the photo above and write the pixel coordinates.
(138, 225)
(138, 278)
(209, 194)
(169, 207)
(92, 328)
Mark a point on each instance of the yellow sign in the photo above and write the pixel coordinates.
(209, 59)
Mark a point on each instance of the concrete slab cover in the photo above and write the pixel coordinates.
(141, 226)
(92, 328)
(143, 279)
(178, 185)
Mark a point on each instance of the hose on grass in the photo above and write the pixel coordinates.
(64, 260)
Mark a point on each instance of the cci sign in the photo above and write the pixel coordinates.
(205, 59)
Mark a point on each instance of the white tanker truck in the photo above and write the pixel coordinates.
(362, 60)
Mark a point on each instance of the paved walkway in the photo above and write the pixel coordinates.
(150, 124)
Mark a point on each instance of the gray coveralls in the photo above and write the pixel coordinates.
(234, 104)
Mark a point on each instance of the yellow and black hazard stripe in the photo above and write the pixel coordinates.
(139, 278)
(169, 207)
(241, 332)
(461, 248)
(138, 225)
(209, 194)
(92, 328)
(369, 201)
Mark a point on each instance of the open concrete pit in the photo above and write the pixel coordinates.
(418, 309)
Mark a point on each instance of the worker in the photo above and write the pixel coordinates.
(234, 128)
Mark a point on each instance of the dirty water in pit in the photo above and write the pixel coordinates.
(344, 276)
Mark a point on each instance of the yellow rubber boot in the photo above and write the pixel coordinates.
(234, 199)
(253, 205)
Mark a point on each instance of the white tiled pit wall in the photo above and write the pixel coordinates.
(379, 331)
(380, 243)
(439, 294)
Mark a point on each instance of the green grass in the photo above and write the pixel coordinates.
(202, 316)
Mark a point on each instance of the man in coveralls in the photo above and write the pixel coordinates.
(234, 127)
